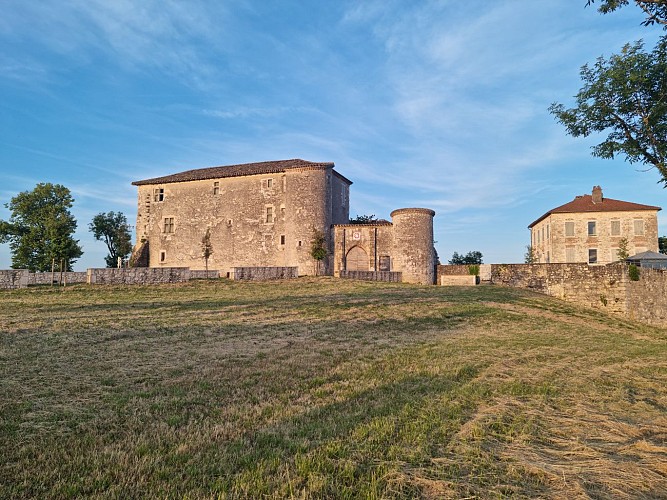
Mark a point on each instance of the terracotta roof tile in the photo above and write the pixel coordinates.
(584, 203)
(265, 167)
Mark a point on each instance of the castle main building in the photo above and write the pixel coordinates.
(265, 215)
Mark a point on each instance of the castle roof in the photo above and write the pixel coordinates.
(259, 168)
(585, 203)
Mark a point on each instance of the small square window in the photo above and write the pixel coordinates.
(168, 224)
(592, 255)
(639, 227)
(592, 229)
(616, 228)
(158, 194)
(569, 229)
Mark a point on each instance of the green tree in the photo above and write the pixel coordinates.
(623, 252)
(530, 257)
(655, 10)
(40, 228)
(318, 249)
(206, 248)
(112, 228)
(364, 219)
(662, 244)
(473, 257)
(626, 96)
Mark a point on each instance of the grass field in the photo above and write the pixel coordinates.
(326, 388)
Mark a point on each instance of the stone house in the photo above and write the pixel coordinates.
(589, 229)
(258, 214)
(265, 215)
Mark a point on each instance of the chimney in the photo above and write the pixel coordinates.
(597, 194)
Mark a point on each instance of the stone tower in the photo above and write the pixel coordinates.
(308, 197)
(413, 244)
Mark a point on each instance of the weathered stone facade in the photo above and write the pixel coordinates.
(404, 245)
(258, 215)
(590, 228)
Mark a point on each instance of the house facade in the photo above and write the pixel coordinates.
(257, 214)
(591, 228)
(266, 215)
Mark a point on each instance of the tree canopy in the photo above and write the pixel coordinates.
(364, 219)
(655, 10)
(112, 228)
(40, 228)
(473, 257)
(626, 96)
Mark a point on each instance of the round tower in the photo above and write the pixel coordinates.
(414, 254)
(307, 209)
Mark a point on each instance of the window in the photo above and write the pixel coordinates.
(385, 263)
(570, 255)
(548, 258)
(639, 227)
(299, 242)
(216, 187)
(269, 183)
(158, 194)
(616, 228)
(168, 224)
(538, 237)
(282, 239)
(569, 229)
(269, 215)
(592, 230)
(592, 255)
(547, 231)
(163, 256)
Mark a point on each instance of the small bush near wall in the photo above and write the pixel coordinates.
(473, 269)
(633, 271)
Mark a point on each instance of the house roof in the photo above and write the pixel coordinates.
(584, 203)
(648, 256)
(265, 167)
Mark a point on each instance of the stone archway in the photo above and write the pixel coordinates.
(356, 259)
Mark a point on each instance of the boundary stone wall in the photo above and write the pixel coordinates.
(68, 277)
(11, 279)
(138, 275)
(198, 274)
(388, 276)
(606, 288)
(265, 273)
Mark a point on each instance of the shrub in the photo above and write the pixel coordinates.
(633, 271)
(473, 269)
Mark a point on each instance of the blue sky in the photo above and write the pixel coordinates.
(439, 104)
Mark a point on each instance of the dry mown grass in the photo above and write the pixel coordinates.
(326, 388)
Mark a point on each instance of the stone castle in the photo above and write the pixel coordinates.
(266, 215)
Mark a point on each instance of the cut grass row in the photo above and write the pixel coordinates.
(326, 388)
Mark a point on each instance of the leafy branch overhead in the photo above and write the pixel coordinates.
(625, 96)
(655, 10)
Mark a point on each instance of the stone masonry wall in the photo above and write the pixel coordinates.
(265, 273)
(388, 276)
(69, 277)
(13, 278)
(647, 298)
(138, 276)
(606, 288)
